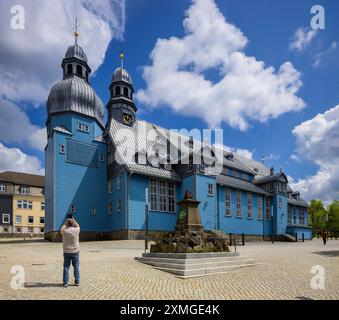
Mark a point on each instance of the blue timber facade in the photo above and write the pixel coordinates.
(107, 196)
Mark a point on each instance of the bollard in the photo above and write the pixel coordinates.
(230, 235)
(303, 237)
(243, 239)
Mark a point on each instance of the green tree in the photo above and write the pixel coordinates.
(333, 218)
(317, 216)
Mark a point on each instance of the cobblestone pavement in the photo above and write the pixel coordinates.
(109, 271)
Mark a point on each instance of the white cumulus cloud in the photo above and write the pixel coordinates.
(247, 89)
(16, 127)
(318, 141)
(13, 159)
(30, 59)
(302, 38)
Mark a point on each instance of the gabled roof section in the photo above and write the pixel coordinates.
(239, 184)
(280, 176)
(24, 179)
(62, 129)
(301, 202)
(118, 134)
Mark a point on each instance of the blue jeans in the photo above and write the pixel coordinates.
(74, 258)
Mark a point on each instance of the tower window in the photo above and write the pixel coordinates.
(79, 70)
(117, 91)
(125, 92)
(69, 68)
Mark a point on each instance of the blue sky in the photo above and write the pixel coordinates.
(269, 27)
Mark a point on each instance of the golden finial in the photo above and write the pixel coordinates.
(76, 33)
(122, 58)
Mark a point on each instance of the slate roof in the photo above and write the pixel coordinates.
(269, 178)
(25, 179)
(75, 94)
(118, 133)
(301, 202)
(239, 184)
(62, 129)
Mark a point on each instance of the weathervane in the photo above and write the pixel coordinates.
(76, 33)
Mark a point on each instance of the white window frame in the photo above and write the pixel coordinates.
(16, 219)
(153, 194)
(42, 206)
(2, 187)
(24, 204)
(162, 200)
(228, 212)
(294, 215)
(210, 189)
(30, 230)
(302, 217)
(260, 207)
(238, 201)
(119, 205)
(110, 208)
(83, 127)
(289, 216)
(268, 209)
(249, 205)
(8, 216)
(43, 220)
(110, 186)
(32, 219)
(280, 202)
(24, 190)
(62, 149)
(190, 165)
(119, 182)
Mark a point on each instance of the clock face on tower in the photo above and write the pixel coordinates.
(127, 119)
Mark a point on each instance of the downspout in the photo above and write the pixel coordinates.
(218, 210)
(127, 203)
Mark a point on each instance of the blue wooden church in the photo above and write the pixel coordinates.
(100, 172)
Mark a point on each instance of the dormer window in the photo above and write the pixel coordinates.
(79, 70)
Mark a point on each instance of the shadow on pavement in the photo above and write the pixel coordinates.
(43, 285)
(21, 241)
(333, 253)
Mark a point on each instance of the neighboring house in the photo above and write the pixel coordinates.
(6, 205)
(104, 187)
(27, 203)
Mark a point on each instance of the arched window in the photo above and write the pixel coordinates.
(79, 70)
(117, 91)
(69, 68)
(125, 92)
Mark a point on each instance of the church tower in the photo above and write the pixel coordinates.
(76, 152)
(121, 106)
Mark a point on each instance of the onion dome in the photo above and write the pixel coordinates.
(120, 74)
(77, 52)
(75, 94)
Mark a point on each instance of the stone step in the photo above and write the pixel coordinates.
(191, 255)
(204, 271)
(206, 263)
(190, 261)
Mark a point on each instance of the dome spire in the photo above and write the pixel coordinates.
(76, 32)
(122, 59)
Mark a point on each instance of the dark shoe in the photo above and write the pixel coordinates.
(66, 285)
(77, 284)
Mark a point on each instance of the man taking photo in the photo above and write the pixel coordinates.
(70, 232)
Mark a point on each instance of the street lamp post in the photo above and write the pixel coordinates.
(146, 219)
(272, 222)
